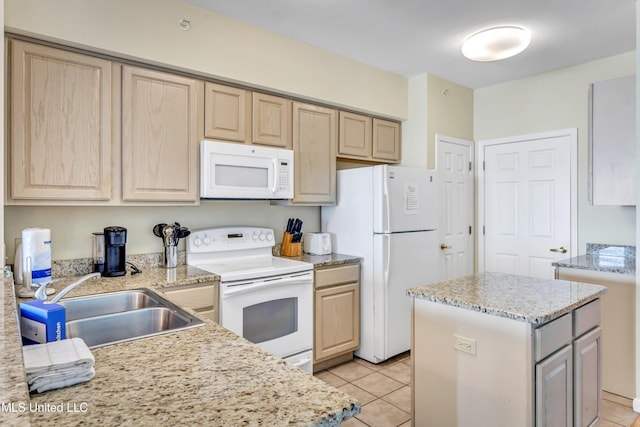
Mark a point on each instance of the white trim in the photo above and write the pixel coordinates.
(573, 134)
(471, 201)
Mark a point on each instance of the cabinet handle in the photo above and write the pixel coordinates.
(561, 249)
(443, 246)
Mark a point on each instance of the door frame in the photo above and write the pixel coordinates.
(471, 202)
(572, 133)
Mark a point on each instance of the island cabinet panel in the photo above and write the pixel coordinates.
(159, 136)
(554, 389)
(60, 134)
(588, 378)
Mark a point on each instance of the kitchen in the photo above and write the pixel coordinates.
(483, 111)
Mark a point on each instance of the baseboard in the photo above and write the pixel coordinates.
(636, 404)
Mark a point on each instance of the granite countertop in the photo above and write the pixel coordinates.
(527, 299)
(605, 258)
(204, 375)
(330, 260)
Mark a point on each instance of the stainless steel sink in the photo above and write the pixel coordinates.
(110, 318)
(108, 303)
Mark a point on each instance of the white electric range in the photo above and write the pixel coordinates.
(265, 299)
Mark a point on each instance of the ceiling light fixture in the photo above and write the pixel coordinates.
(496, 43)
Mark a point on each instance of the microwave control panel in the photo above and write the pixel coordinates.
(283, 175)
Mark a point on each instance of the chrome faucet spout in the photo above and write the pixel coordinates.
(73, 285)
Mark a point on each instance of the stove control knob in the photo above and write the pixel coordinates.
(255, 236)
(197, 241)
(262, 236)
(206, 240)
(269, 236)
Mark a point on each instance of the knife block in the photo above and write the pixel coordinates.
(290, 249)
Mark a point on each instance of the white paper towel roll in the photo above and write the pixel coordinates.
(36, 243)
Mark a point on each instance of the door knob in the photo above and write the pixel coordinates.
(561, 249)
(443, 246)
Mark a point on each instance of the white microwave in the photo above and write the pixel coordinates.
(240, 171)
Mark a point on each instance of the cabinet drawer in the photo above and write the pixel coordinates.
(553, 336)
(586, 318)
(337, 275)
(200, 297)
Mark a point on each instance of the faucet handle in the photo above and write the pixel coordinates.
(41, 292)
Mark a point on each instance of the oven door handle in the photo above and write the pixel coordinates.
(241, 289)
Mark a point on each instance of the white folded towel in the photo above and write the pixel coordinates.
(57, 364)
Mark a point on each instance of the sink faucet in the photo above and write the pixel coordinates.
(41, 293)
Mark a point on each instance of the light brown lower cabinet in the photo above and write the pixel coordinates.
(201, 298)
(337, 315)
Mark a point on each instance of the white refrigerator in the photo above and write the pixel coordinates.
(388, 216)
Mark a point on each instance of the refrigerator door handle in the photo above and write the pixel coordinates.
(387, 257)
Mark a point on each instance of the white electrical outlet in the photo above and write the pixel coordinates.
(466, 345)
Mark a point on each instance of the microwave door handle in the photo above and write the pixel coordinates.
(275, 175)
(241, 289)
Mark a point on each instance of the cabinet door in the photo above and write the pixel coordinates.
(159, 136)
(60, 141)
(337, 321)
(386, 140)
(314, 143)
(225, 113)
(554, 389)
(587, 356)
(271, 120)
(355, 136)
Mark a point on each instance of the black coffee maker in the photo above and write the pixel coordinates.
(115, 240)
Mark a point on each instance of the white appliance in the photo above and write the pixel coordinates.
(265, 299)
(317, 243)
(388, 216)
(239, 171)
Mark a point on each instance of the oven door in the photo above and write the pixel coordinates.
(275, 313)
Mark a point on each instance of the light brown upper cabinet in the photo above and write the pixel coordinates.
(60, 135)
(226, 111)
(315, 137)
(355, 136)
(386, 140)
(369, 139)
(160, 136)
(271, 120)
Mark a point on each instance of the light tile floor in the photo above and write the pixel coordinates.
(384, 390)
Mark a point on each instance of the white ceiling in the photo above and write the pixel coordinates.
(412, 37)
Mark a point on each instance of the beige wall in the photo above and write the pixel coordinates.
(436, 106)
(553, 101)
(450, 113)
(215, 46)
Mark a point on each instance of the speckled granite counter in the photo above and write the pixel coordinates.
(522, 298)
(201, 376)
(331, 260)
(604, 258)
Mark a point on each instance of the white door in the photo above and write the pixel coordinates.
(455, 176)
(528, 202)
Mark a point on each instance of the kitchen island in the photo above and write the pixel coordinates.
(496, 349)
(206, 375)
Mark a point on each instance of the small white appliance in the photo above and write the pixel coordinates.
(317, 243)
(265, 299)
(387, 215)
(240, 171)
